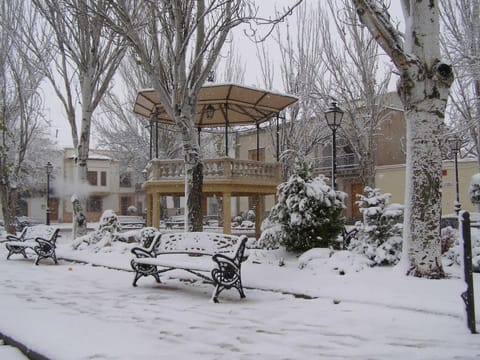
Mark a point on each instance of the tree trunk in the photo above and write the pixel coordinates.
(80, 219)
(425, 101)
(9, 207)
(423, 88)
(194, 202)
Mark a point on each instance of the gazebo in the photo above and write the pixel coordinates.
(218, 105)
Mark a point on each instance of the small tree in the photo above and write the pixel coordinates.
(379, 234)
(308, 210)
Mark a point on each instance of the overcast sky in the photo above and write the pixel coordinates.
(55, 113)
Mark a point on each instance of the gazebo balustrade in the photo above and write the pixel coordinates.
(217, 169)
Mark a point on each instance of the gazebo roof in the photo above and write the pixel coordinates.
(232, 105)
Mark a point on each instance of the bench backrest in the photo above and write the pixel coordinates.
(44, 231)
(197, 242)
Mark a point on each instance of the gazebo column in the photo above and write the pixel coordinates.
(156, 210)
(148, 206)
(258, 216)
(227, 213)
(204, 210)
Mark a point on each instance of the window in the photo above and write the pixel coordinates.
(103, 178)
(92, 178)
(125, 203)
(95, 204)
(176, 202)
(126, 180)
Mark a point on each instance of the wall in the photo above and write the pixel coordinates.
(391, 179)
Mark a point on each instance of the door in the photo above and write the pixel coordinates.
(357, 189)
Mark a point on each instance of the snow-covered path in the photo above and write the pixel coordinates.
(76, 311)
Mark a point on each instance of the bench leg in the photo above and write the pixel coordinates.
(45, 252)
(15, 250)
(226, 279)
(143, 270)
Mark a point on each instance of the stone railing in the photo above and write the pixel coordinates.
(223, 168)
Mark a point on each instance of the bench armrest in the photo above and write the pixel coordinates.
(140, 252)
(11, 237)
(42, 241)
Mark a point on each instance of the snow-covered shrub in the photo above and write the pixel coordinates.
(146, 236)
(453, 256)
(271, 235)
(379, 235)
(251, 215)
(448, 236)
(474, 189)
(106, 233)
(109, 222)
(237, 220)
(308, 210)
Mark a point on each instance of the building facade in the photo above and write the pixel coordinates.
(107, 188)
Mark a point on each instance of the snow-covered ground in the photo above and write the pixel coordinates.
(305, 309)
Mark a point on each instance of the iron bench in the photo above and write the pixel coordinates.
(40, 238)
(219, 255)
(131, 222)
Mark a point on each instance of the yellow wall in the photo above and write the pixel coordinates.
(391, 179)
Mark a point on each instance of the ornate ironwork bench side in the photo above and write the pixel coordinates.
(214, 257)
(40, 238)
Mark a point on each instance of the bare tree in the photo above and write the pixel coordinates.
(87, 58)
(177, 44)
(20, 102)
(127, 135)
(460, 39)
(302, 73)
(423, 87)
(353, 65)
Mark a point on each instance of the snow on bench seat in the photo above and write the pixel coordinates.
(40, 238)
(220, 255)
(181, 261)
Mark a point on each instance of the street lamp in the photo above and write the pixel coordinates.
(210, 110)
(49, 168)
(455, 143)
(334, 117)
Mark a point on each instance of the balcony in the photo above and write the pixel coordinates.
(346, 164)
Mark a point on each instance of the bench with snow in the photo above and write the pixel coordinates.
(131, 222)
(200, 253)
(175, 221)
(40, 238)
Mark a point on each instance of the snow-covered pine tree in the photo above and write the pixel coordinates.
(308, 210)
(379, 234)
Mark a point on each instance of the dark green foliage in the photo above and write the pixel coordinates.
(309, 212)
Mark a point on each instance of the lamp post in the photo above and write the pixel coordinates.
(49, 168)
(334, 117)
(210, 111)
(455, 143)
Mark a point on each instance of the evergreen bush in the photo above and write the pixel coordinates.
(379, 235)
(308, 211)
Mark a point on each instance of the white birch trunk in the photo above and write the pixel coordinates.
(423, 87)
